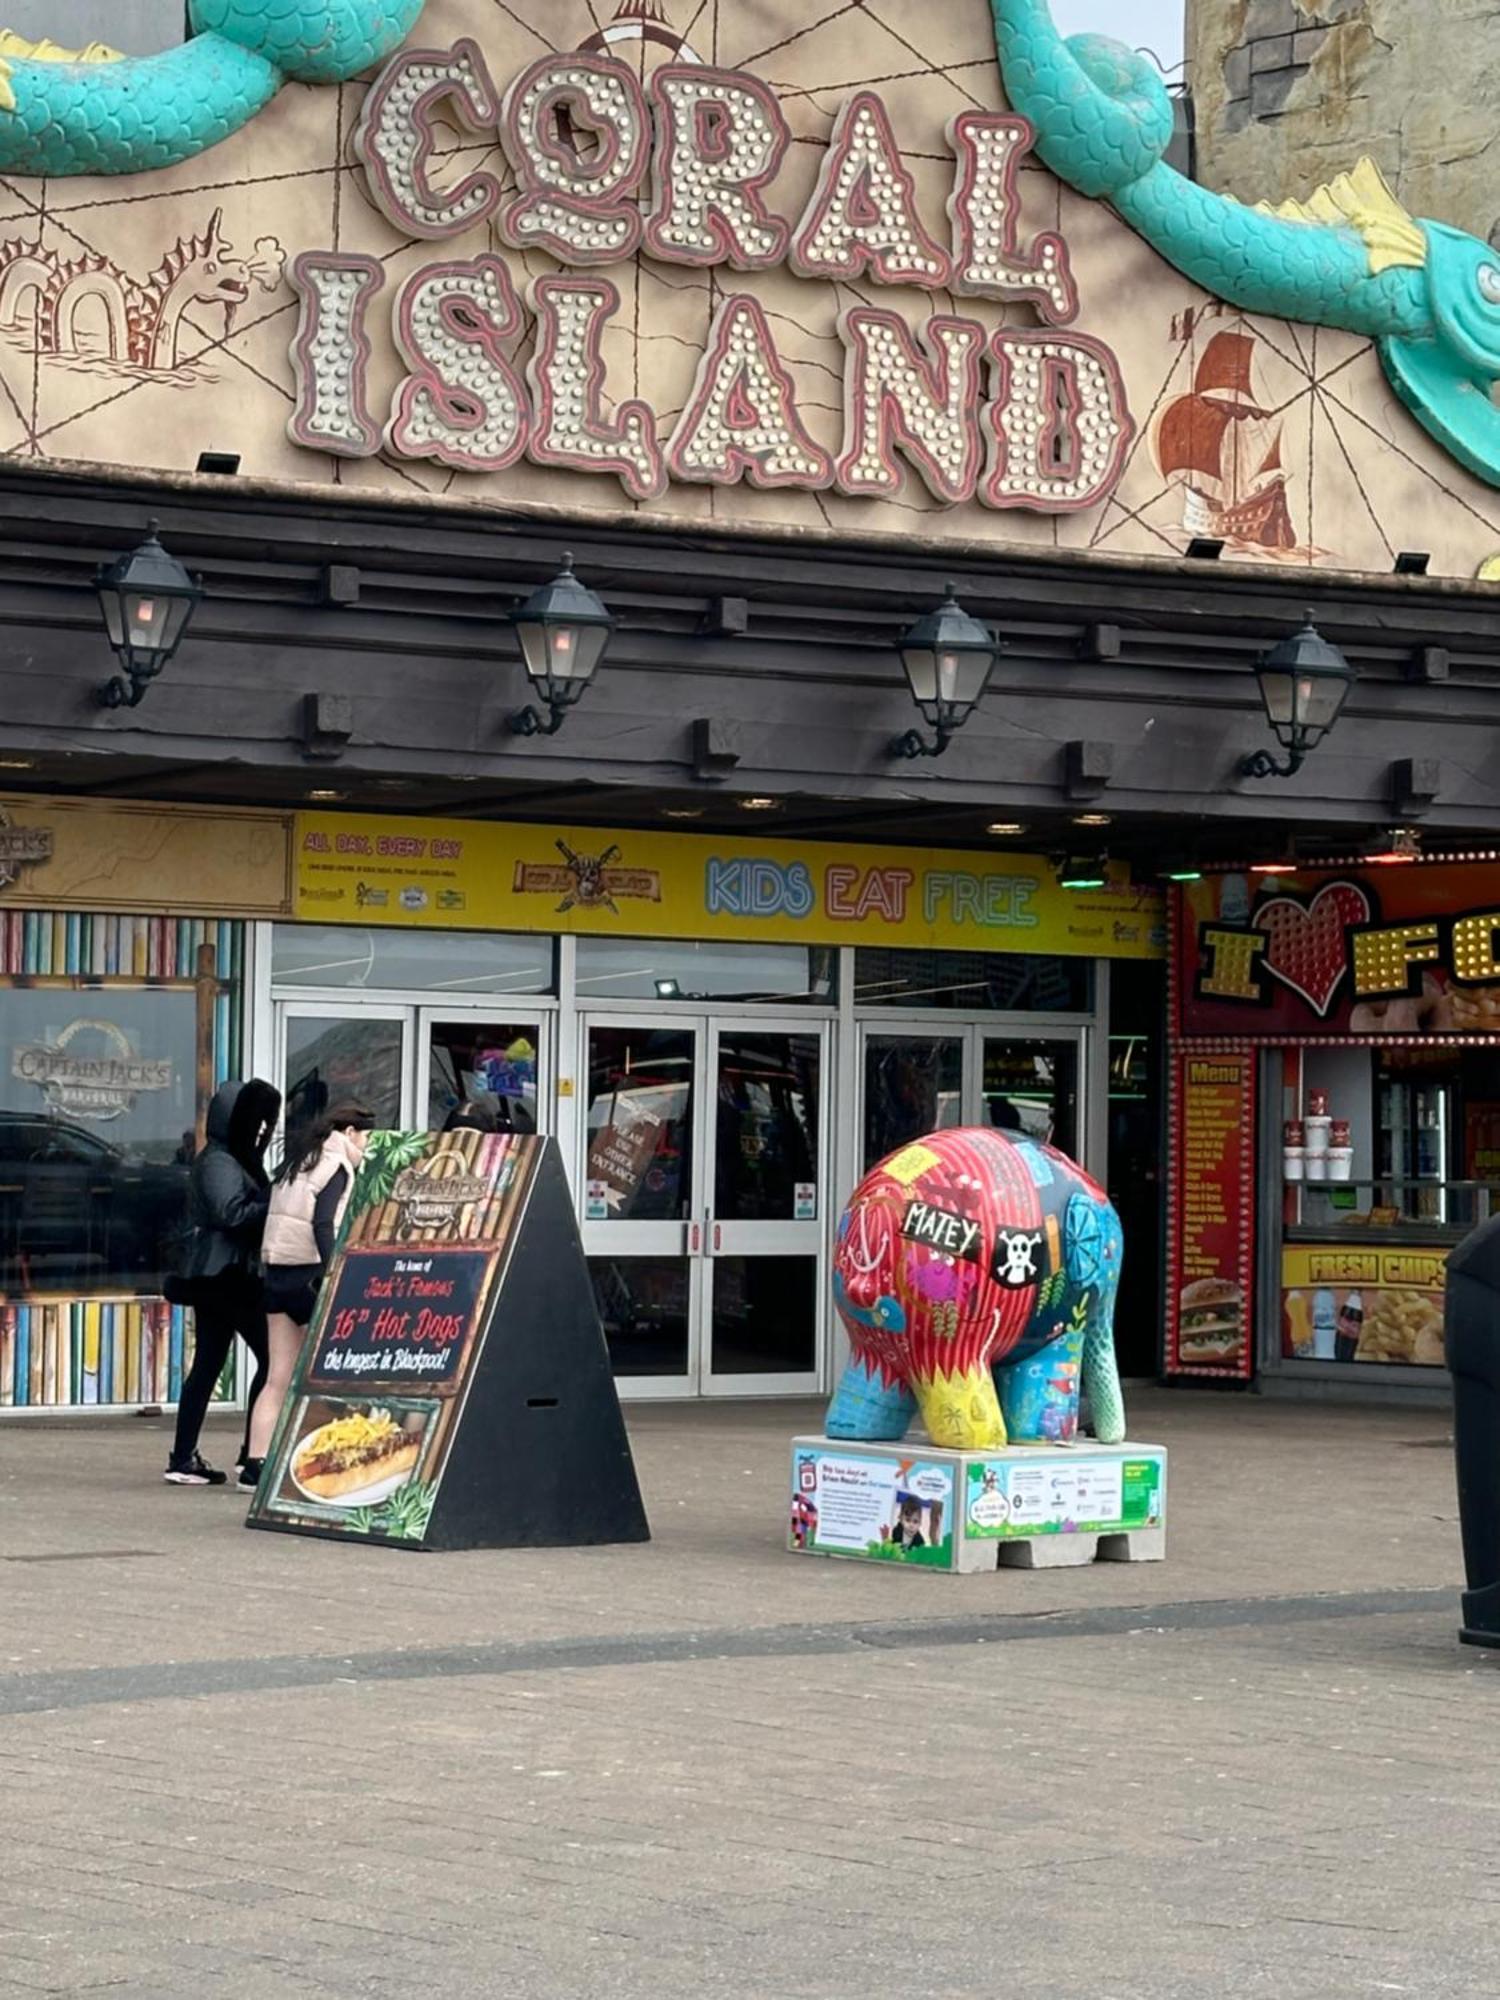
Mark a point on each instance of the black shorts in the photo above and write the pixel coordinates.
(293, 1289)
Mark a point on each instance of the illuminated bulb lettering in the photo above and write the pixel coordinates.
(1231, 959)
(923, 400)
(566, 373)
(741, 419)
(396, 137)
(1475, 961)
(863, 214)
(462, 403)
(1383, 959)
(985, 209)
(577, 132)
(720, 140)
(331, 354)
(1059, 427)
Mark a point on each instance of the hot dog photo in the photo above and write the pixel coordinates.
(354, 1454)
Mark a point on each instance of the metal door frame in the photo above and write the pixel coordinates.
(667, 1238)
(972, 1031)
(759, 1238)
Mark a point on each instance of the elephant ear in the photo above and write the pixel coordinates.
(1088, 1239)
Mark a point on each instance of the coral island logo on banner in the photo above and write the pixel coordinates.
(101, 1086)
(21, 847)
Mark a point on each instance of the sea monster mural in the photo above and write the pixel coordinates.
(94, 111)
(1350, 256)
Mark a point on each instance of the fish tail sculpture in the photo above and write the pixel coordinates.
(1348, 257)
(94, 111)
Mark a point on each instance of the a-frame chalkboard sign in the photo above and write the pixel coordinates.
(454, 1390)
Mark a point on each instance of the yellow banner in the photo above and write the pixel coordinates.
(1391, 1268)
(75, 854)
(458, 875)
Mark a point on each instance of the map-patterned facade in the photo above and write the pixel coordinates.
(732, 262)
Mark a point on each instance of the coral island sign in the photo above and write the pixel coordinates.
(604, 165)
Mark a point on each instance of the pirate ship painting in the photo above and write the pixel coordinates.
(1225, 448)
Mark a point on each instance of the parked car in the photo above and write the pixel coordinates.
(78, 1210)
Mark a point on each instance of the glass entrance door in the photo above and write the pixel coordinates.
(411, 1065)
(642, 1187)
(765, 1225)
(703, 1189)
(916, 1081)
(332, 1054)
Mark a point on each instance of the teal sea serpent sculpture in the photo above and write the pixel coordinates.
(94, 111)
(1349, 256)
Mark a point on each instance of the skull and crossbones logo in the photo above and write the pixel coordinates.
(1015, 1257)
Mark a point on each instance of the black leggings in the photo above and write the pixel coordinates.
(226, 1306)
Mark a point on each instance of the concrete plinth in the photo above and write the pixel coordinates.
(1021, 1507)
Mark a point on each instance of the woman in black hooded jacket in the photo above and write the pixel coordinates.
(228, 1195)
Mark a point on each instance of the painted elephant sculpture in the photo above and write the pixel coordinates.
(976, 1274)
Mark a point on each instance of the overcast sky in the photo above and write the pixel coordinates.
(1148, 24)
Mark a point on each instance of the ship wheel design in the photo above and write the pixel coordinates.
(639, 21)
(1088, 1241)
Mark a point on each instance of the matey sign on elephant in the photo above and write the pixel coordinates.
(976, 1273)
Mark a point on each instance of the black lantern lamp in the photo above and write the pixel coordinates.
(1304, 683)
(948, 657)
(147, 599)
(563, 629)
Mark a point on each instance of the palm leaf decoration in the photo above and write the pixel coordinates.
(407, 1513)
(387, 1157)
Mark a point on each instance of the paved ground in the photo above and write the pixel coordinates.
(242, 1764)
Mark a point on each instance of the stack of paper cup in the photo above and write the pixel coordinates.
(1340, 1163)
(1317, 1146)
(1293, 1162)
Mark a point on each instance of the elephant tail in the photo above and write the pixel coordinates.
(1101, 1380)
(1102, 114)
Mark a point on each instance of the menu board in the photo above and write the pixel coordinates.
(1356, 1304)
(1211, 1226)
(454, 1388)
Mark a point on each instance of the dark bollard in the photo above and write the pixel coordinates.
(1472, 1339)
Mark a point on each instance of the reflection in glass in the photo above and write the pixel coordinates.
(354, 1061)
(665, 968)
(1031, 1088)
(98, 1104)
(972, 981)
(767, 1129)
(913, 1085)
(465, 1058)
(643, 1304)
(640, 1130)
(415, 961)
(765, 1315)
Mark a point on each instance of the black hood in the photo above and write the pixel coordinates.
(221, 1111)
(242, 1118)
